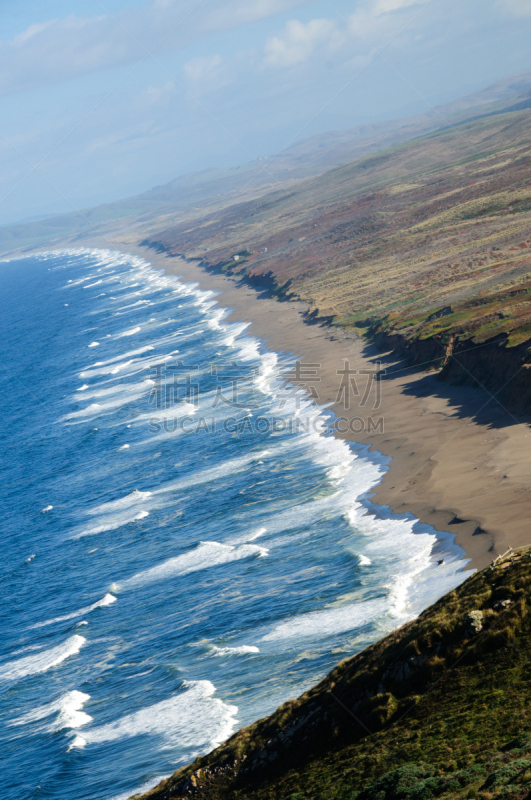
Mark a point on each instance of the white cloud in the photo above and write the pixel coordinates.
(378, 22)
(204, 74)
(298, 42)
(519, 8)
(154, 95)
(63, 48)
(372, 20)
(385, 6)
(201, 68)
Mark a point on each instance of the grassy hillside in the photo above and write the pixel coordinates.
(505, 314)
(189, 197)
(440, 708)
(422, 225)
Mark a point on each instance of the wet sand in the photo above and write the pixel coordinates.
(459, 460)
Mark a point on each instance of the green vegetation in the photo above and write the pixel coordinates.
(428, 223)
(438, 709)
(505, 314)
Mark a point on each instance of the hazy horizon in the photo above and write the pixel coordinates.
(103, 101)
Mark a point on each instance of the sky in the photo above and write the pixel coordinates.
(103, 100)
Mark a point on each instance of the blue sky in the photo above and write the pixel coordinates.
(101, 100)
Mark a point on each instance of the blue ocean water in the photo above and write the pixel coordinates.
(172, 569)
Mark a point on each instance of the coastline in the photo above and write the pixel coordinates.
(459, 462)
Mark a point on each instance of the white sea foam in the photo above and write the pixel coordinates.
(193, 719)
(124, 447)
(41, 661)
(113, 369)
(108, 600)
(318, 624)
(395, 540)
(128, 501)
(68, 710)
(129, 354)
(129, 332)
(146, 787)
(80, 281)
(28, 648)
(417, 562)
(135, 305)
(215, 319)
(117, 366)
(128, 391)
(116, 398)
(364, 561)
(247, 537)
(204, 556)
(90, 411)
(409, 591)
(243, 650)
(82, 388)
(289, 539)
(187, 408)
(269, 363)
(230, 467)
(46, 509)
(116, 513)
(234, 331)
(305, 514)
(94, 344)
(248, 349)
(71, 714)
(112, 523)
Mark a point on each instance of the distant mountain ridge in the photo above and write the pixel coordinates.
(189, 196)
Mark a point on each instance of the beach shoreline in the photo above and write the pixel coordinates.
(459, 463)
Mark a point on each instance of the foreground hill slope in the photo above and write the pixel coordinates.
(439, 708)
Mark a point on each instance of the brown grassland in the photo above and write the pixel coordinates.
(426, 224)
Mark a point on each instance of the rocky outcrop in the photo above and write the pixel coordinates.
(504, 372)
(474, 622)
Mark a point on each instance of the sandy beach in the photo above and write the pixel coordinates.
(460, 462)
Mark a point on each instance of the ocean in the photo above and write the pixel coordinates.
(185, 545)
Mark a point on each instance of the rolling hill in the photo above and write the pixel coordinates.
(189, 197)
